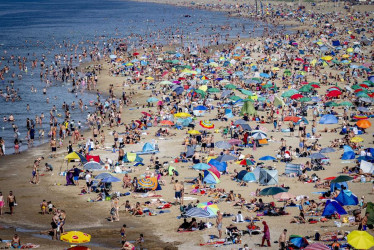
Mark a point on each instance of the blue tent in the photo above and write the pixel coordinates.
(210, 178)
(242, 174)
(228, 113)
(338, 186)
(348, 155)
(331, 207)
(328, 119)
(336, 43)
(220, 166)
(130, 157)
(346, 197)
(347, 148)
(249, 177)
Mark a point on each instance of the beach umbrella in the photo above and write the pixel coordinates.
(213, 90)
(146, 114)
(201, 166)
(331, 104)
(305, 99)
(230, 86)
(296, 96)
(225, 157)
(346, 104)
(334, 93)
(166, 83)
(246, 92)
(317, 246)
(152, 99)
(272, 191)
(259, 136)
(110, 179)
(327, 150)
(357, 139)
(341, 178)
(75, 237)
(193, 132)
(291, 118)
(167, 123)
(363, 109)
(284, 196)
(267, 158)
(223, 145)
(198, 213)
(79, 248)
(182, 115)
(247, 162)
(235, 98)
(360, 117)
(102, 176)
(210, 207)
(200, 107)
(206, 124)
(92, 165)
(363, 124)
(360, 239)
(328, 119)
(317, 156)
(74, 156)
(234, 141)
(306, 88)
(240, 121)
(289, 93)
(147, 183)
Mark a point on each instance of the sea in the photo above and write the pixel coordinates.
(39, 28)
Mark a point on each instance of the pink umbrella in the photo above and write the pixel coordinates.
(284, 196)
(317, 246)
(159, 103)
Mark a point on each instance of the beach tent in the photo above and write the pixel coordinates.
(228, 113)
(370, 210)
(331, 207)
(95, 158)
(248, 108)
(220, 166)
(328, 119)
(210, 177)
(241, 174)
(148, 148)
(347, 148)
(131, 157)
(247, 177)
(268, 177)
(338, 186)
(346, 197)
(75, 156)
(349, 155)
(367, 167)
(245, 127)
(293, 169)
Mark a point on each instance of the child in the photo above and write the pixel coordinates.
(140, 240)
(123, 234)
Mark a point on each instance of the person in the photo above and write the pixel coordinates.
(123, 234)
(335, 245)
(193, 225)
(114, 211)
(128, 246)
(1, 203)
(282, 240)
(139, 241)
(11, 202)
(364, 221)
(219, 224)
(43, 207)
(88, 181)
(178, 188)
(239, 217)
(266, 235)
(16, 241)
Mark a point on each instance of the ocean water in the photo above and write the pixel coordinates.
(34, 28)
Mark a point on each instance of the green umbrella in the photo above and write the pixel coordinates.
(256, 79)
(202, 93)
(230, 86)
(368, 82)
(248, 100)
(317, 83)
(306, 88)
(175, 61)
(213, 90)
(356, 87)
(331, 104)
(335, 61)
(245, 92)
(289, 93)
(234, 98)
(305, 99)
(346, 104)
(362, 94)
(266, 86)
(273, 191)
(342, 178)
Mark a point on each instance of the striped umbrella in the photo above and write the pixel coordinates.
(198, 213)
(146, 183)
(317, 246)
(206, 124)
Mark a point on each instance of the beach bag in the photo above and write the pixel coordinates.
(112, 211)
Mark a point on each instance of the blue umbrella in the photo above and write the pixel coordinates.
(110, 179)
(201, 166)
(223, 158)
(317, 156)
(198, 212)
(265, 75)
(201, 107)
(299, 242)
(267, 158)
(103, 176)
(223, 145)
(365, 158)
(240, 121)
(92, 166)
(327, 150)
(152, 99)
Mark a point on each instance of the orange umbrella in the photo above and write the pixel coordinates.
(167, 122)
(291, 118)
(363, 124)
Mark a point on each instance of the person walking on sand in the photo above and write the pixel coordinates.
(266, 235)
(178, 188)
(282, 240)
(219, 224)
(11, 202)
(1, 203)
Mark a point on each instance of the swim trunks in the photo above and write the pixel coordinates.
(178, 195)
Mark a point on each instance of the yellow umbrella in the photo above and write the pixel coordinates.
(75, 237)
(350, 50)
(203, 88)
(326, 58)
(149, 78)
(357, 139)
(193, 132)
(345, 56)
(129, 64)
(182, 115)
(275, 68)
(360, 240)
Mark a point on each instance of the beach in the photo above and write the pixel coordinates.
(160, 231)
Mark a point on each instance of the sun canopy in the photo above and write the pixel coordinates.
(332, 207)
(75, 156)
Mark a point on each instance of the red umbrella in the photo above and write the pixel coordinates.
(358, 90)
(371, 95)
(304, 82)
(315, 86)
(299, 59)
(146, 114)
(364, 86)
(334, 93)
(291, 118)
(330, 178)
(297, 96)
(181, 78)
(135, 54)
(215, 171)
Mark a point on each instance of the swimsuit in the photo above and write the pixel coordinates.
(178, 195)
